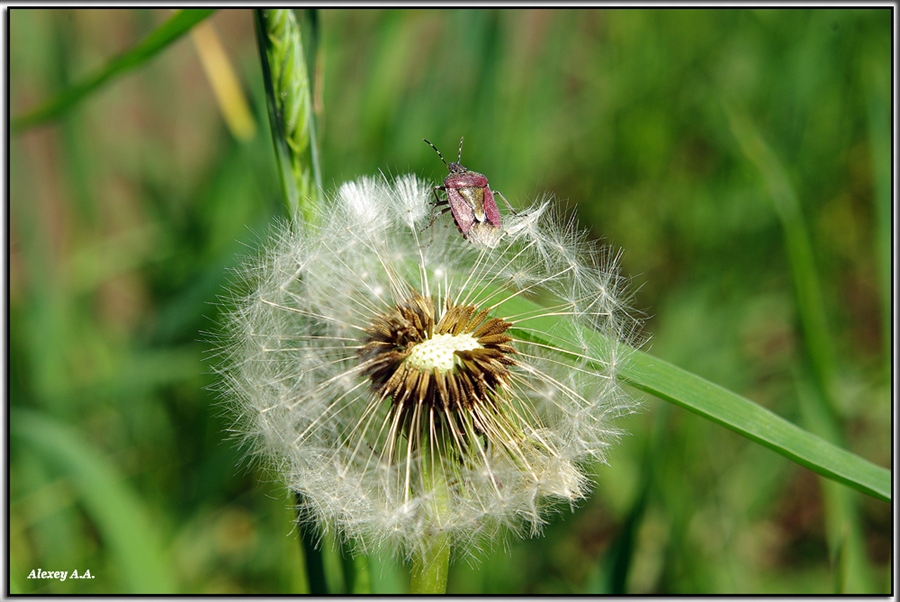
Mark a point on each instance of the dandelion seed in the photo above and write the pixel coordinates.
(410, 387)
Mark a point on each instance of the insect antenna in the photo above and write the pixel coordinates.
(459, 154)
(439, 152)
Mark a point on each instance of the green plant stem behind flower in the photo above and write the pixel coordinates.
(429, 570)
(288, 94)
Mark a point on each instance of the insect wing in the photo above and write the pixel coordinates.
(462, 211)
(490, 208)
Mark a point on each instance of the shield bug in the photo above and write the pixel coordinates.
(471, 200)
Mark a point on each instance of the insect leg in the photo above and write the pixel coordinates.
(437, 203)
(434, 215)
(437, 199)
(499, 194)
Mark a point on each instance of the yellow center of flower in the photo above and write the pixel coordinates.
(438, 352)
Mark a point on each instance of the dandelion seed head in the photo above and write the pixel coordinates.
(410, 210)
(410, 383)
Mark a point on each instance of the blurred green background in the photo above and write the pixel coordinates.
(127, 213)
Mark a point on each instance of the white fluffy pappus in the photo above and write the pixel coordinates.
(411, 384)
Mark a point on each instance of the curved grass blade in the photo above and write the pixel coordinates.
(756, 423)
(116, 510)
(713, 402)
(288, 93)
(179, 24)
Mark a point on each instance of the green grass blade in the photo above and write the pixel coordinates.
(756, 423)
(713, 402)
(179, 24)
(312, 555)
(289, 98)
(612, 577)
(124, 524)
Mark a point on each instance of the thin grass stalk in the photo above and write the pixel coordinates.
(817, 401)
(289, 100)
(878, 114)
(224, 82)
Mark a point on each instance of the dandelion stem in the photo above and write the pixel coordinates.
(429, 570)
(430, 567)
